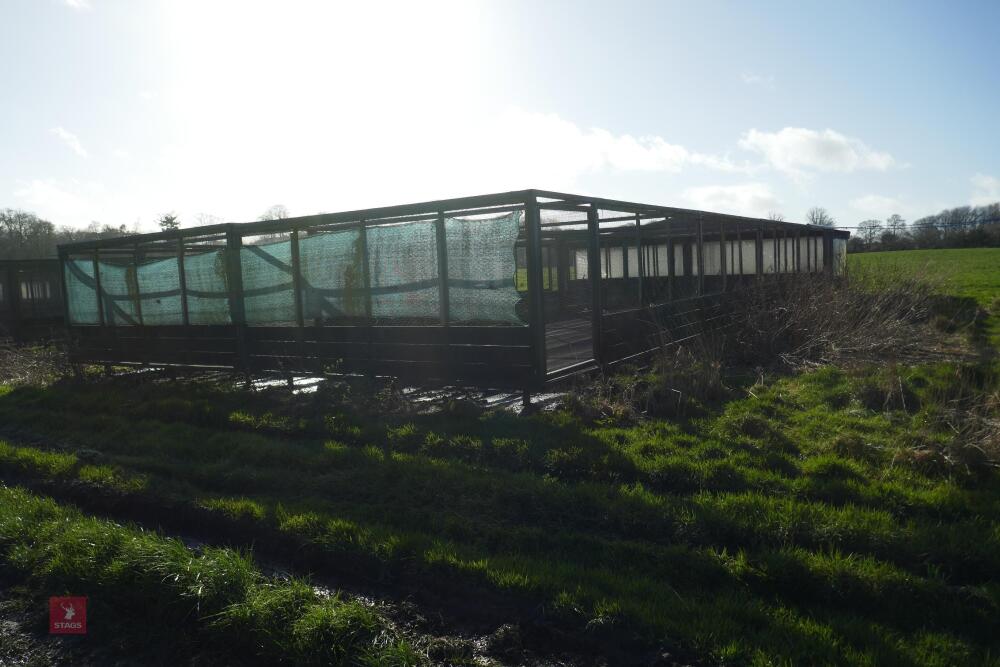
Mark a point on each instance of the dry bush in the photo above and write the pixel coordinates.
(818, 320)
(679, 380)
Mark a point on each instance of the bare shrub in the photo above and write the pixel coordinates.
(679, 380)
(818, 320)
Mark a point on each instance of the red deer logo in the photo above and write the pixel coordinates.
(68, 616)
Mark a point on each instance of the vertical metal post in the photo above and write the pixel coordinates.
(300, 319)
(798, 252)
(722, 253)
(784, 243)
(367, 285)
(536, 303)
(759, 250)
(671, 268)
(594, 275)
(739, 247)
(62, 275)
(182, 282)
(828, 251)
(237, 306)
(701, 258)
(135, 274)
(442, 259)
(97, 288)
(366, 271)
(639, 259)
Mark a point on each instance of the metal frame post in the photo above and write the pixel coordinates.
(594, 275)
(182, 282)
(536, 303)
(442, 261)
(759, 251)
(671, 265)
(101, 315)
(701, 257)
(722, 254)
(297, 279)
(639, 259)
(135, 275)
(234, 280)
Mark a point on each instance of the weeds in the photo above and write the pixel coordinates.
(217, 597)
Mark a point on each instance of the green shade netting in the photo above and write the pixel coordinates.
(332, 275)
(481, 269)
(160, 290)
(207, 290)
(81, 295)
(402, 267)
(402, 271)
(119, 293)
(268, 295)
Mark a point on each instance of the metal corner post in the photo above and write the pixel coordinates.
(234, 280)
(182, 282)
(442, 261)
(63, 258)
(536, 303)
(594, 276)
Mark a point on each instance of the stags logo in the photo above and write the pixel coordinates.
(67, 616)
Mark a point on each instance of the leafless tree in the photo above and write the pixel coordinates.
(869, 231)
(776, 216)
(895, 225)
(820, 217)
(276, 212)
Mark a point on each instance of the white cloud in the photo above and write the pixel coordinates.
(758, 80)
(879, 206)
(146, 95)
(798, 150)
(79, 5)
(66, 202)
(987, 190)
(70, 140)
(561, 145)
(121, 153)
(751, 199)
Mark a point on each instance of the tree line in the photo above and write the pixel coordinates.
(960, 227)
(24, 235)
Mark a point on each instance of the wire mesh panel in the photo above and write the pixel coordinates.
(159, 286)
(482, 269)
(81, 291)
(333, 280)
(206, 286)
(119, 292)
(403, 272)
(268, 289)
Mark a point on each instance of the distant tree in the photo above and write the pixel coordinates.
(776, 216)
(869, 231)
(819, 216)
(204, 219)
(168, 222)
(276, 212)
(24, 235)
(895, 225)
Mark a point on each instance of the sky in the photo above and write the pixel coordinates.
(119, 111)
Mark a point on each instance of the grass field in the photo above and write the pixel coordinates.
(823, 517)
(967, 272)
